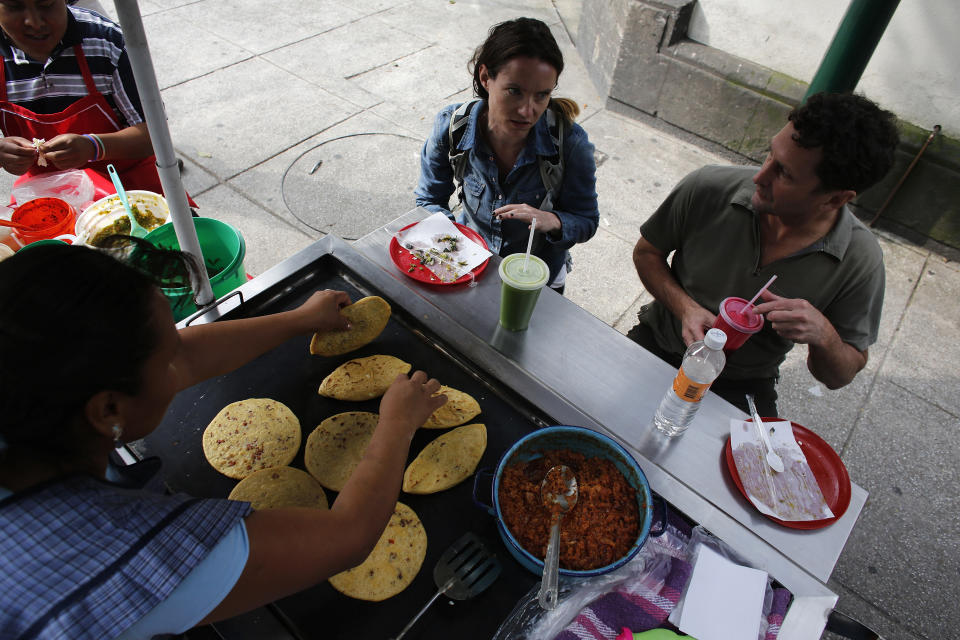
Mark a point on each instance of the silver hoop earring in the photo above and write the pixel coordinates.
(117, 433)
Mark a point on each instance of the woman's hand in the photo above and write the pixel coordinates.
(69, 151)
(321, 311)
(547, 221)
(410, 401)
(17, 154)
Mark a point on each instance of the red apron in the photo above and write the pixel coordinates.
(90, 114)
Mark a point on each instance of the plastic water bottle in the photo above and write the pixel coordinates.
(702, 363)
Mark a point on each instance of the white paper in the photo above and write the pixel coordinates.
(723, 601)
(442, 248)
(792, 495)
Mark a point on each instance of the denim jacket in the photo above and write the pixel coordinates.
(575, 204)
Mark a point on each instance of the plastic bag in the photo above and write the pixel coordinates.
(73, 186)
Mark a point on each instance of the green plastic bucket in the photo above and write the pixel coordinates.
(223, 252)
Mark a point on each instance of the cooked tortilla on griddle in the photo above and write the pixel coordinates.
(460, 408)
(447, 461)
(336, 446)
(368, 317)
(280, 487)
(363, 378)
(392, 565)
(250, 435)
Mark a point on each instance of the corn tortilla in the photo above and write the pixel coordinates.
(336, 446)
(447, 461)
(363, 378)
(250, 435)
(459, 409)
(368, 317)
(392, 565)
(280, 487)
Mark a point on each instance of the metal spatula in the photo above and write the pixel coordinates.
(464, 570)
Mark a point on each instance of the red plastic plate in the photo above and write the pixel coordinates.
(828, 469)
(404, 259)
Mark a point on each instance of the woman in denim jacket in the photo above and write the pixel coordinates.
(506, 137)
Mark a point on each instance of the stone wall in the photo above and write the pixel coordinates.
(638, 55)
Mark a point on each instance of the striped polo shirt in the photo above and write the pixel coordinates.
(53, 85)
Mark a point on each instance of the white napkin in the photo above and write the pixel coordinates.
(792, 495)
(442, 248)
(723, 601)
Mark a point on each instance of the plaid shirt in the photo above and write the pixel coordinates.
(83, 558)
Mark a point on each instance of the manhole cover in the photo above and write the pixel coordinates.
(351, 185)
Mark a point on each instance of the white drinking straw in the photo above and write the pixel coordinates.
(526, 258)
(749, 306)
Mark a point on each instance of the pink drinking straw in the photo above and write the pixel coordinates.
(526, 258)
(749, 307)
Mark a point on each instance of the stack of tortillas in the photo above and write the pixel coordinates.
(368, 317)
(250, 435)
(363, 378)
(280, 487)
(336, 446)
(393, 563)
(446, 461)
(459, 408)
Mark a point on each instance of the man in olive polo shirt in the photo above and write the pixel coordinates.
(732, 228)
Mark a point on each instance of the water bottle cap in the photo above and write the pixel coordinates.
(715, 339)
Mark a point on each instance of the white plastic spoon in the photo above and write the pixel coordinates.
(775, 462)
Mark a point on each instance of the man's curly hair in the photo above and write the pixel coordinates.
(858, 139)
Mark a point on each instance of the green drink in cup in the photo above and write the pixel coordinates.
(521, 285)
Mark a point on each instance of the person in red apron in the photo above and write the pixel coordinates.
(88, 134)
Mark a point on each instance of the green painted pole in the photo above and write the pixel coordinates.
(852, 46)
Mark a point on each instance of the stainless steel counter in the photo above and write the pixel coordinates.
(580, 371)
(588, 374)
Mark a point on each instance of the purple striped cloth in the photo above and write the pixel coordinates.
(640, 606)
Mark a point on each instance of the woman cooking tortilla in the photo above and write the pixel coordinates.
(84, 554)
(67, 95)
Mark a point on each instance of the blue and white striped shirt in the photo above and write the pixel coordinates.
(53, 85)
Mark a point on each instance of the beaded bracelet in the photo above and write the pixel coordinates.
(97, 144)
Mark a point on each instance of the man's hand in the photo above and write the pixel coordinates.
(795, 319)
(547, 221)
(655, 274)
(694, 323)
(17, 155)
(69, 151)
(831, 360)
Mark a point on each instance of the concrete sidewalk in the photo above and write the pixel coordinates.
(305, 117)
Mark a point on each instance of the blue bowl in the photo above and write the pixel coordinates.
(589, 443)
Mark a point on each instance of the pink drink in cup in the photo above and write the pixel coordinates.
(737, 323)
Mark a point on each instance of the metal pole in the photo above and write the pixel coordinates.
(852, 46)
(128, 13)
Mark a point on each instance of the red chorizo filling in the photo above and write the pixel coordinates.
(597, 531)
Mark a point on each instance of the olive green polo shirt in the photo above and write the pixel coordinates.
(711, 226)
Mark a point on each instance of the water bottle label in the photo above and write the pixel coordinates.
(688, 390)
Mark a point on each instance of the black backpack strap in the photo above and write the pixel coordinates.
(551, 167)
(457, 156)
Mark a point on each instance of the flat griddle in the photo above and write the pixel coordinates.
(290, 374)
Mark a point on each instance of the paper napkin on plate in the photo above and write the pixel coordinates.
(442, 248)
(791, 495)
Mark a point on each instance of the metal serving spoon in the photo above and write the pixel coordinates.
(559, 493)
(772, 458)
